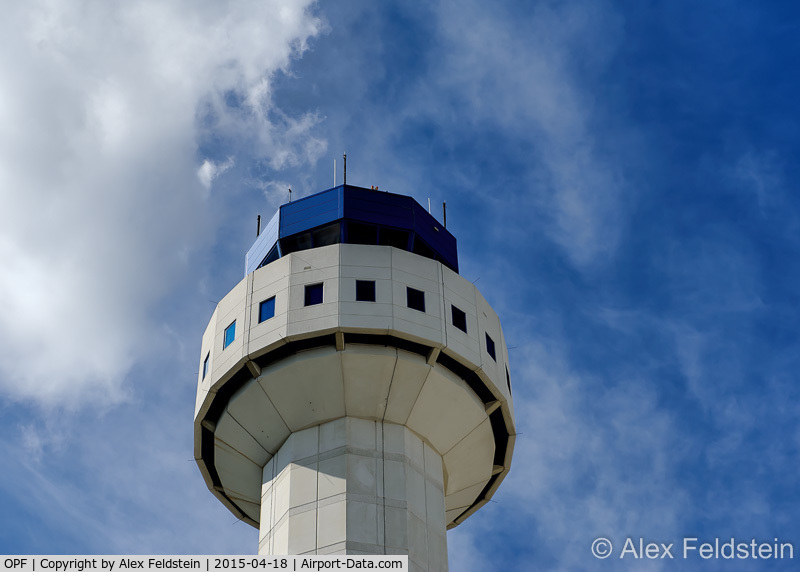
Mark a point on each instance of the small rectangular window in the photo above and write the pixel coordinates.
(205, 365)
(415, 299)
(459, 319)
(508, 380)
(313, 294)
(365, 290)
(266, 310)
(490, 347)
(230, 334)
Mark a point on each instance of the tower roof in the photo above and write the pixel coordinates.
(353, 215)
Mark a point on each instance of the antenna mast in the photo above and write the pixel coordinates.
(345, 168)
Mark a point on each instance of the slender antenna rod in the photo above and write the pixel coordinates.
(429, 205)
(334, 172)
(258, 225)
(345, 168)
(444, 214)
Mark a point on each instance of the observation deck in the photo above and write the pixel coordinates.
(353, 215)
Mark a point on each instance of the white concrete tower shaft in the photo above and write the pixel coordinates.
(353, 398)
(355, 486)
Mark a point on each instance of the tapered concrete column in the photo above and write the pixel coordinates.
(353, 486)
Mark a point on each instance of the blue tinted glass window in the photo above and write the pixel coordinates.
(296, 242)
(205, 365)
(272, 256)
(490, 347)
(230, 334)
(422, 248)
(313, 294)
(327, 235)
(393, 237)
(358, 233)
(266, 310)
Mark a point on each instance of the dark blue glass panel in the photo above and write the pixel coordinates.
(266, 310)
(230, 334)
(313, 294)
(310, 212)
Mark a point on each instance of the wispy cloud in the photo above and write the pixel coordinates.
(530, 81)
(761, 174)
(210, 170)
(597, 456)
(122, 482)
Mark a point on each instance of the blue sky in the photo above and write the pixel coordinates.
(619, 178)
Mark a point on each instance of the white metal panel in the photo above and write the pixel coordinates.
(301, 446)
(272, 330)
(367, 323)
(239, 476)
(204, 382)
(231, 308)
(470, 461)
(367, 374)
(489, 323)
(445, 410)
(255, 412)
(306, 388)
(410, 373)
(433, 465)
(273, 274)
(251, 509)
(332, 523)
(460, 501)
(234, 435)
(363, 255)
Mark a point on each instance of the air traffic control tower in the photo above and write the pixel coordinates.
(354, 394)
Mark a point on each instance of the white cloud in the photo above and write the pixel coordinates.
(102, 115)
(210, 170)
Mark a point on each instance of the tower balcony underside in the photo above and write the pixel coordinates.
(445, 379)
